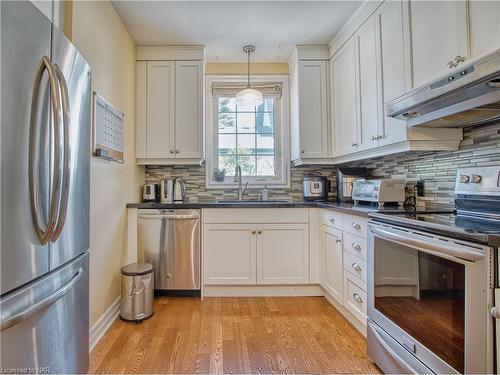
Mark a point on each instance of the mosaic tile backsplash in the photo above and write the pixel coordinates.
(480, 147)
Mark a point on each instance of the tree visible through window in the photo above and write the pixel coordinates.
(246, 136)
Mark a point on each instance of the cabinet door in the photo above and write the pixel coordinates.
(344, 101)
(394, 66)
(188, 109)
(282, 254)
(141, 93)
(333, 266)
(160, 109)
(368, 85)
(229, 254)
(313, 109)
(484, 27)
(439, 34)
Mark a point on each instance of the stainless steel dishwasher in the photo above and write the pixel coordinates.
(170, 240)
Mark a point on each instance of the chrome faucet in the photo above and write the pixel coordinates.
(237, 178)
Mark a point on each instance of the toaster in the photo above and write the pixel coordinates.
(151, 193)
(379, 191)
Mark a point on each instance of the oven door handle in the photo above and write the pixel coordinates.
(467, 254)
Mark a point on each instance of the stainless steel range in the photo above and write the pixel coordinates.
(432, 280)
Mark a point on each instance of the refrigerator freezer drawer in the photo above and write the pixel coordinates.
(170, 241)
(45, 325)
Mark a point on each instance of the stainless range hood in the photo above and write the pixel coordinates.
(468, 95)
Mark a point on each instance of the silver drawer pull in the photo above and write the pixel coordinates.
(331, 219)
(338, 240)
(356, 225)
(356, 267)
(357, 298)
(356, 246)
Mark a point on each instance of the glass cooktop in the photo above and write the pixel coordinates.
(478, 229)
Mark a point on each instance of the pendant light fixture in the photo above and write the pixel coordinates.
(249, 97)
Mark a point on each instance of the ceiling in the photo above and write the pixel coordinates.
(224, 27)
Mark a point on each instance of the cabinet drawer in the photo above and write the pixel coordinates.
(355, 225)
(355, 297)
(355, 245)
(355, 265)
(332, 219)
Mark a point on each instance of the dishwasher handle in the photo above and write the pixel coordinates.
(169, 217)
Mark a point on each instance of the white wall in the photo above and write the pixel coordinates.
(99, 34)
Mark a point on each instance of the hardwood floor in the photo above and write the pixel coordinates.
(235, 335)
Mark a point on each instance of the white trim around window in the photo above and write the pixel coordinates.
(282, 134)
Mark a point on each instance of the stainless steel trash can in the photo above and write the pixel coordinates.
(137, 291)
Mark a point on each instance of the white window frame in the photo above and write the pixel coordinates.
(282, 134)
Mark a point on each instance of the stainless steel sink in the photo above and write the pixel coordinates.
(232, 201)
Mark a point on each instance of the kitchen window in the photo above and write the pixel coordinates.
(252, 137)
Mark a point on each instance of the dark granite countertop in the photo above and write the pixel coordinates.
(349, 208)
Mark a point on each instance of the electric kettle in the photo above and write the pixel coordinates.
(179, 190)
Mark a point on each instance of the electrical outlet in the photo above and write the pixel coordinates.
(420, 188)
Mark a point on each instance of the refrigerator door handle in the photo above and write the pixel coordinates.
(65, 125)
(42, 234)
(44, 303)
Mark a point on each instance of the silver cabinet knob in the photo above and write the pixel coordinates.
(356, 246)
(354, 144)
(169, 275)
(374, 138)
(171, 151)
(452, 64)
(176, 151)
(259, 231)
(356, 225)
(338, 240)
(356, 267)
(303, 151)
(253, 231)
(331, 219)
(380, 136)
(495, 312)
(459, 59)
(357, 298)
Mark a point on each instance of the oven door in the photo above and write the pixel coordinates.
(431, 295)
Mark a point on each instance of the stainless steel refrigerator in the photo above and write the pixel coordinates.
(45, 188)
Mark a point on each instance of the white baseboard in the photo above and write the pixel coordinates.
(262, 291)
(100, 327)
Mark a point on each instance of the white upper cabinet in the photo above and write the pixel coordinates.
(189, 109)
(439, 38)
(313, 109)
(309, 105)
(368, 85)
(160, 99)
(484, 19)
(395, 77)
(169, 106)
(344, 100)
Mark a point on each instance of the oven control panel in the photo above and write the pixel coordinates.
(478, 181)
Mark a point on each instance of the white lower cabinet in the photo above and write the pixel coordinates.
(282, 254)
(355, 296)
(344, 268)
(247, 253)
(229, 254)
(331, 242)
